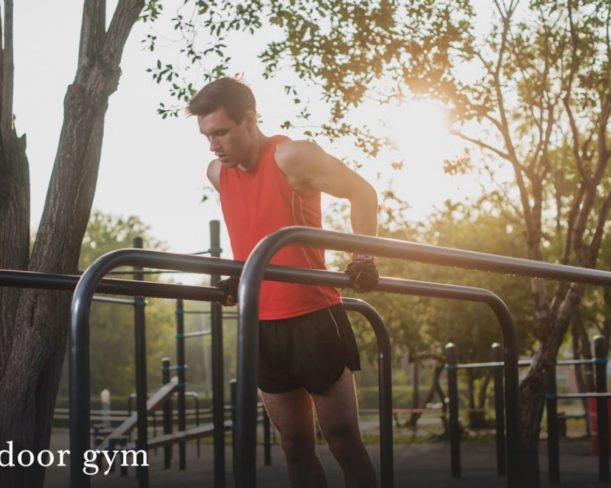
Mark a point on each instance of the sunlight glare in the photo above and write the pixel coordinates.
(419, 131)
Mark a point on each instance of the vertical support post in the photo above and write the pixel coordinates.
(141, 386)
(167, 413)
(600, 355)
(218, 375)
(182, 379)
(267, 438)
(452, 368)
(233, 389)
(553, 449)
(499, 409)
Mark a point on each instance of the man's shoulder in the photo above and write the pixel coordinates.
(291, 153)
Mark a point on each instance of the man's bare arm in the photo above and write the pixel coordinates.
(308, 168)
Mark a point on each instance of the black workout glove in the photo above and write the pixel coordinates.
(362, 272)
(230, 287)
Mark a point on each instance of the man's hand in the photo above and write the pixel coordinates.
(362, 272)
(230, 287)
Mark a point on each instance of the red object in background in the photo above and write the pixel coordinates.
(593, 417)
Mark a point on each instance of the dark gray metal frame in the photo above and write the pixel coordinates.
(384, 385)
(248, 297)
(79, 348)
(551, 398)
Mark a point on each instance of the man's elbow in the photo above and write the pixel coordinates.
(372, 195)
(366, 195)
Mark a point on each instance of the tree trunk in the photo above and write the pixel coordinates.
(34, 323)
(534, 385)
(584, 373)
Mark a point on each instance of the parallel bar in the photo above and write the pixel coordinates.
(233, 395)
(49, 281)
(182, 380)
(600, 353)
(444, 256)
(167, 413)
(248, 337)
(218, 374)
(499, 410)
(451, 361)
(384, 386)
(79, 358)
(141, 384)
(553, 448)
(308, 236)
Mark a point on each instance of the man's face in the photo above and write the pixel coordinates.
(229, 140)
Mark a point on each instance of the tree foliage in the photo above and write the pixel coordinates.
(529, 87)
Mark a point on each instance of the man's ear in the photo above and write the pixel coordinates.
(251, 119)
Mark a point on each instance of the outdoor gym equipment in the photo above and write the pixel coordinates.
(248, 297)
(81, 303)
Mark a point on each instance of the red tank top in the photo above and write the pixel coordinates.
(257, 203)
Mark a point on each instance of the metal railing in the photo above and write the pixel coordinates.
(253, 273)
(79, 353)
(248, 296)
(384, 385)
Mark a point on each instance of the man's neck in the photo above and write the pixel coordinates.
(255, 152)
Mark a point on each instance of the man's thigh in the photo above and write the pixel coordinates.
(337, 408)
(292, 414)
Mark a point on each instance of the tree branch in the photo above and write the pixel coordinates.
(481, 144)
(506, 17)
(494, 122)
(8, 72)
(92, 33)
(603, 216)
(603, 152)
(568, 240)
(123, 19)
(1, 54)
(567, 98)
(575, 145)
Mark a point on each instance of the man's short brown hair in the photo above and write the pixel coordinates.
(228, 93)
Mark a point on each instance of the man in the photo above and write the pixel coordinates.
(307, 348)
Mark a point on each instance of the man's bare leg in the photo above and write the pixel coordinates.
(292, 414)
(338, 418)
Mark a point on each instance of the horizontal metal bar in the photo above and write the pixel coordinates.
(118, 301)
(197, 264)
(521, 362)
(579, 395)
(197, 334)
(33, 279)
(445, 256)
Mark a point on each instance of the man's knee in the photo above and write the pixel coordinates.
(345, 443)
(297, 449)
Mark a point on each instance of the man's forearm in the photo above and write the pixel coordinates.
(364, 213)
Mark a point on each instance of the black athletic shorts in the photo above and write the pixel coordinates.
(309, 351)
